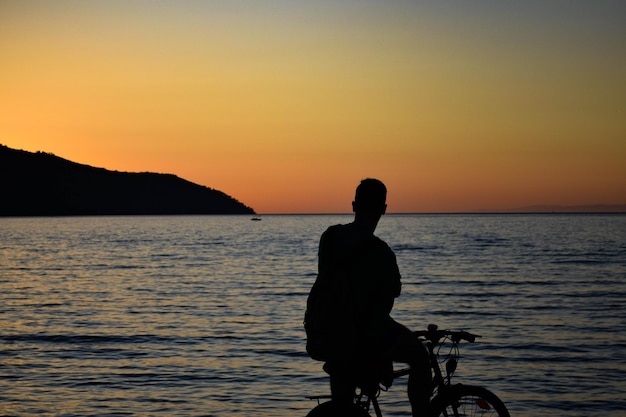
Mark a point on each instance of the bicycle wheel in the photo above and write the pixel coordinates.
(334, 409)
(469, 401)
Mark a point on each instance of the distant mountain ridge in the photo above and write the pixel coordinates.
(589, 208)
(42, 184)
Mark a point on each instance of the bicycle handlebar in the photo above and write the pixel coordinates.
(433, 334)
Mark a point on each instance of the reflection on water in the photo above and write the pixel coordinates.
(202, 316)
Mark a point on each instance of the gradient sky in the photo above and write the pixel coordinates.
(287, 105)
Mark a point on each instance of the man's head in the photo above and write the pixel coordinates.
(370, 197)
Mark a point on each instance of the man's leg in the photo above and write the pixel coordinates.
(409, 349)
(341, 381)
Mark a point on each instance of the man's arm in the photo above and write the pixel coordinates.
(395, 278)
(324, 255)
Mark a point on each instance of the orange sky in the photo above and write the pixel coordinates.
(457, 106)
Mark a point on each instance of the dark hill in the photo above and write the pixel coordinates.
(42, 184)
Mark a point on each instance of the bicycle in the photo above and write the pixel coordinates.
(447, 399)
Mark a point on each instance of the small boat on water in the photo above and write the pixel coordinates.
(256, 219)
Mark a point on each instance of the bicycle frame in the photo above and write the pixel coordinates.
(441, 383)
(442, 389)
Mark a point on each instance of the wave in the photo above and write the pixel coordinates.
(62, 339)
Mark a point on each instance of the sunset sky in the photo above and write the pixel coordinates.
(286, 105)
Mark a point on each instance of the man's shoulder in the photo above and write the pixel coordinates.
(333, 230)
(346, 235)
(381, 245)
(336, 227)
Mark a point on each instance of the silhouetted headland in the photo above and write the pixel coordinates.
(42, 184)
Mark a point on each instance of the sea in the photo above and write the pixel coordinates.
(202, 315)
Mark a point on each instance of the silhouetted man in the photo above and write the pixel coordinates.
(373, 282)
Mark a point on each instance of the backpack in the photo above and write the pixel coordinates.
(329, 318)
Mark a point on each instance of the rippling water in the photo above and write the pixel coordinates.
(202, 316)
